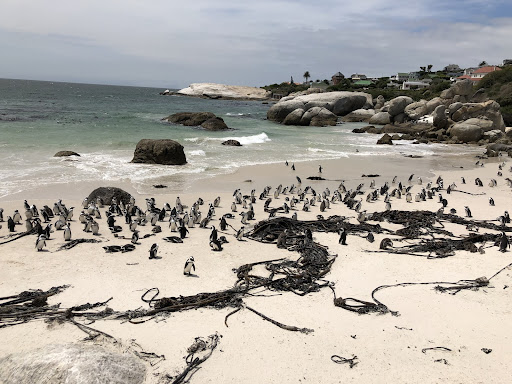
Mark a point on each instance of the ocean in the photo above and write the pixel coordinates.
(103, 124)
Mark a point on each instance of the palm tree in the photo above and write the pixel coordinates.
(482, 64)
(429, 68)
(306, 76)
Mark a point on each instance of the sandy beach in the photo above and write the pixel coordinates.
(427, 336)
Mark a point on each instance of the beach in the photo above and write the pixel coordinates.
(427, 336)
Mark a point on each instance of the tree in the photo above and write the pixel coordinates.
(306, 76)
(482, 64)
(423, 69)
(291, 80)
(429, 68)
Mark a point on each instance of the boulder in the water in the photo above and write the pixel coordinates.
(106, 194)
(162, 151)
(65, 154)
(232, 143)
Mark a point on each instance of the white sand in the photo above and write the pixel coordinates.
(389, 348)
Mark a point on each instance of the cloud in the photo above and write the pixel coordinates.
(164, 44)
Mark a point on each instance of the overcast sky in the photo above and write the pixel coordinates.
(170, 44)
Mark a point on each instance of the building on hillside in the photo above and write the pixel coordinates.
(507, 62)
(477, 75)
(364, 83)
(358, 76)
(407, 85)
(337, 78)
(414, 76)
(400, 77)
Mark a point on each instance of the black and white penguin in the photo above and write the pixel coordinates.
(41, 242)
(213, 234)
(343, 237)
(319, 169)
(1, 215)
(370, 237)
(504, 243)
(293, 167)
(16, 217)
(240, 234)
(95, 228)
(468, 211)
(183, 231)
(189, 265)
(67, 232)
(491, 201)
(223, 223)
(135, 237)
(153, 251)
(216, 245)
(10, 224)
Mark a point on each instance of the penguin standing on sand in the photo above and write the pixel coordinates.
(468, 211)
(293, 167)
(240, 234)
(153, 251)
(10, 224)
(504, 243)
(343, 237)
(216, 245)
(16, 217)
(41, 242)
(223, 223)
(95, 228)
(135, 237)
(189, 265)
(67, 232)
(491, 201)
(213, 234)
(1, 215)
(183, 231)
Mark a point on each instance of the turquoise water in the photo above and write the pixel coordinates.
(104, 124)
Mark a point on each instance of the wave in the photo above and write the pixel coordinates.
(247, 140)
(197, 152)
(327, 152)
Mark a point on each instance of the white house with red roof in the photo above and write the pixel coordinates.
(479, 73)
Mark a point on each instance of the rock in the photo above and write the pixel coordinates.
(386, 139)
(380, 118)
(280, 110)
(106, 194)
(493, 135)
(489, 110)
(416, 110)
(232, 143)
(447, 93)
(379, 102)
(222, 91)
(396, 136)
(433, 104)
(454, 107)
(189, 118)
(397, 105)
(359, 115)
(308, 115)
(294, 117)
(215, 124)
(440, 119)
(465, 132)
(65, 153)
(71, 364)
(484, 124)
(494, 149)
(163, 151)
(324, 118)
(399, 119)
(463, 88)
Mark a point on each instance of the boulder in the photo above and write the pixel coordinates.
(280, 110)
(433, 104)
(379, 102)
(324, 118)
(380, 118)
(454, 107)
(439, 115)
(72, 364)
(397, 105)
(465, 132)
(308, 115)
(448, 93)
(493, 136)
(489, 110)
(463, 88)
(106, 194)
(215, 124)
(386, 139)
(484, 124)
(163, 151)
(189, 118)
(359, 115)
(400, 118)
(65, 154)
(294, 117)
(223, 91)
(232, 143)
(493, 150)
(416, 110)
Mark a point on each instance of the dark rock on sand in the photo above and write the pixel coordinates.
(232, 143)
(163, 151)
(106, 194)
(386, 139)
(65, 153)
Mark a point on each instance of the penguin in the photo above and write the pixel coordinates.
(388, 206)
(504, 243)
(10, 224)
(293, 167)
(216, 202)
(294, 216)
(189, 265)
(67, 232)
(370, 237)
(468, 211)
(45, 216)
(281, 239)
(16, 217)
(59, 224)
(133, 225)
(408, 197)
(40, 242)
(386, 243)
(213, 234)
(1, 215)
(172, 225)
(240, 234)
(135, 237)
(28, 214)
(183, 231)
(491, 201)
(223, 223)
(410, 178)
(153, 251)
(69, 216)
(319, 169)
(343, 237)
(216, 245)
(28, 225)
(286, 163)
(233, 207)
(95, 228)
(298, 179)
(463, 180)
(507, 217)
(26, 205)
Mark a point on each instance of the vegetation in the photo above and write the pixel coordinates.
(498, 86)
(285, 88)
(306, 76)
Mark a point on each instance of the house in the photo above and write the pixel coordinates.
(358, 76)
(400, 77)
(337, 78)
(407, 85)
(507, 62)
(477, 74)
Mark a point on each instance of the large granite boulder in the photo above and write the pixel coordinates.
(359, 115)
(106, 194)
(189, 118)
(463, 88)
(380, 118)
(65, 154)
(416, 110)
(339, 103)
(489, 110)
(493, 150)
(465, 132)
(223, 91)
(433, 104)
(71, 364)
(214, 124)
(439, 115)
(324, 118)
(163, 151)
(454, 107)
(379, 102)
(397, 105)
(294, 117)
(493, 135)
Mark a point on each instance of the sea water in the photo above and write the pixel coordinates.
(104, 123)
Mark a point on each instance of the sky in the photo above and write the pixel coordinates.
(170, 44)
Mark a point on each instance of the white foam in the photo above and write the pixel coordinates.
(247, 140)
(197, 152)
(192, 139)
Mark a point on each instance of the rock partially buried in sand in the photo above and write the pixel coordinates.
(65, 153)
(386, 139)
(206, 120)
(107, 193)
(73, 364)
(232, 143)
(163, 151)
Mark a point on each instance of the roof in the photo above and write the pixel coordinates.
(464, 77)
(363, 82)
(487, 69)
(338, 74)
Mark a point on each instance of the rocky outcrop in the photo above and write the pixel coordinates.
(222, 91)
(488, 110)
(397, 105)
(106, 194)
(386, 139)
(493, 150)
(359, 115)
(416, 110)
(465, 132)
(206, 120)
(65, 154)
(163, 151)
(338, 103)
(440, 120)
(294, 117)
(72, 363)
(380, 118)
(232, 143)
(379, 102)
(323, 118)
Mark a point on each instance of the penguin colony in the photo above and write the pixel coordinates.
(181, 219)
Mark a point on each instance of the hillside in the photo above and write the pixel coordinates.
(498, 86)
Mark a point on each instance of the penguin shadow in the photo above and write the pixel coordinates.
(155, 258)
(191, 275)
